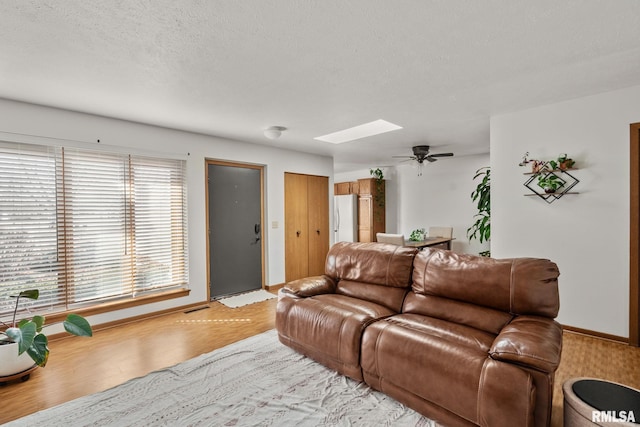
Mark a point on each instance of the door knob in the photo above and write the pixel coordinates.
(298, 233)
(318, 231)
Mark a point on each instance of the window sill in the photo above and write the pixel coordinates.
(119, 305)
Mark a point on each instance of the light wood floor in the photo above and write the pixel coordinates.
(79, 366)
(585, 356)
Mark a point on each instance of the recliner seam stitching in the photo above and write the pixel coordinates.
(375, 351)
(424, 273)
(511, 288)
(386, 278)
(480, 388)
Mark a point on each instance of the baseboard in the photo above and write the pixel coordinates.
(119, 322)
(274, 288)
(595, 334)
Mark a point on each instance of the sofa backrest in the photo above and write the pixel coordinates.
(376, 272)
(515, 286)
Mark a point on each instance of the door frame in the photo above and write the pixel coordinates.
(218, 162)
(634, 236)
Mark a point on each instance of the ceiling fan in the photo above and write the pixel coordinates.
(421, 153)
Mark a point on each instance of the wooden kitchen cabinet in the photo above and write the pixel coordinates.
(371, 209)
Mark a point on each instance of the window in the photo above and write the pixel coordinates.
(85, 226)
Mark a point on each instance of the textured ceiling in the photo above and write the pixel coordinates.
(233, 68)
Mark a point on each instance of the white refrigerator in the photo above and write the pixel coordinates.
(345, 218)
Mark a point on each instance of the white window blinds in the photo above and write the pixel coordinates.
(93, 228)
(28, 223)
(159, 220)
(86, 226)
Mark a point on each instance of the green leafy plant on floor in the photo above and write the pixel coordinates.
(29, 335)
(481, 228)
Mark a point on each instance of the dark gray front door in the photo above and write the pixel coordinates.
(235, 229)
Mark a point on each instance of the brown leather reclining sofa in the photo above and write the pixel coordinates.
(462, 339)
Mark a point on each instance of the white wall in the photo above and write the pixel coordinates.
(440, 197)
(587, 234)
(20, 119)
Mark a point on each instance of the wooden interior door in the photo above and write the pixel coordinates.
(296, 226)
(318, 231)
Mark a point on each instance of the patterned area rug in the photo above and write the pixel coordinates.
(255, 382)
(247, 298)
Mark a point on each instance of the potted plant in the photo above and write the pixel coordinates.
(377, 174)
(379, 177)
(25, 343)
(565, 162)
(550, 183)
(481, 228)
(417, 235)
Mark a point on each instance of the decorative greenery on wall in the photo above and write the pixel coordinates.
(553, 177)
(379, 176)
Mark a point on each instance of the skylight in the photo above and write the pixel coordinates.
(362, 131)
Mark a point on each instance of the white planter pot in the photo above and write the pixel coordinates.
(10, 362)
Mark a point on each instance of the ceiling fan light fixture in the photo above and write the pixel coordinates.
(274, 132)
(420, 149)
(421, 153)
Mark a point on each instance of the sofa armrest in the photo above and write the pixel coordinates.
(531, 341)
(310, 286)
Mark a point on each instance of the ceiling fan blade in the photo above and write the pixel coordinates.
(421, 153)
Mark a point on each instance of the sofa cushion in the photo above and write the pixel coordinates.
(462, 335)
(328, 328)
(387, 296)
(450, 371)
(463, 313)
(310, 286)
(531, 341)
(375, 263)
(429, 366)
(517, 286)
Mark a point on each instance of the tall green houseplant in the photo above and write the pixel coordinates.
(481, 228)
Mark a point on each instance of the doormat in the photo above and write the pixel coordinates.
(247, 298)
